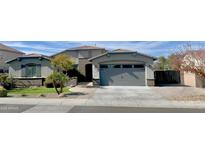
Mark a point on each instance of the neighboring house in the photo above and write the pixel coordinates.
(192, 79)
(194, 61)
(123, 68)
(30, 69)
(81, 56)
(7, 53)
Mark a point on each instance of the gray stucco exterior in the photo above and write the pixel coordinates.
(125, 58)
(7, 53)
(15, 66)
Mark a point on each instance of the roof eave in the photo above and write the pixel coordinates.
(9, 61)
(67, 50)
(91, 59)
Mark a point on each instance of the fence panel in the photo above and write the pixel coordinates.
(167, 77)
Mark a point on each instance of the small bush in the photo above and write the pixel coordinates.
(23, 95)
(42, 95)
(6, 82)
(49, 84)
(58, 78)
(3, 92)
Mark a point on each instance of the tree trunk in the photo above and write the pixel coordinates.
(55, 86)
(61, 88)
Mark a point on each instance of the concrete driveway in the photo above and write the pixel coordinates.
(123, 96)
(137, 97)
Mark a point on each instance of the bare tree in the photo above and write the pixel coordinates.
(176, 60)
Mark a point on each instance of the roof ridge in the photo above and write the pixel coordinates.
(84, 47)
(30, 56)
(10, 49)
(107, 53)
(121, 49)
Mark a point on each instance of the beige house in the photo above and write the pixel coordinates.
(81, 56)
(30, 69)
(112, 68)
(7, 53)
(192, 80)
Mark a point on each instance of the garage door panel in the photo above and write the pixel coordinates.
(122, 76)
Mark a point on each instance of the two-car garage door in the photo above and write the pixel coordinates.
(122, 75)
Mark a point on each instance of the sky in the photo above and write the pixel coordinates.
(153, 48)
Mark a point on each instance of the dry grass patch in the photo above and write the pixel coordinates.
(188, 98)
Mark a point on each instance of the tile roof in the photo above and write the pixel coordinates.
(33, 55)
(9, 49)
(85, 47)
(122, 50)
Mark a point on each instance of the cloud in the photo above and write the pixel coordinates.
(154, 48)
(132, 45)
(31, 45)
(35, 47)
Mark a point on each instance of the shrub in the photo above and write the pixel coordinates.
(49, 83)
(6, 82)
(23, 95)
(42, 95)
(3, 92)
(58, 78)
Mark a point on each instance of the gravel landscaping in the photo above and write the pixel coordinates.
(181, 93)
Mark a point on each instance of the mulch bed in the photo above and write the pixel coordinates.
(52, 95)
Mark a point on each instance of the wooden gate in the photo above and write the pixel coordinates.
(167, 77)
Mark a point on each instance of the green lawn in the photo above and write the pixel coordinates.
(36, 90)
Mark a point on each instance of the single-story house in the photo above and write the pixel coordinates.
(30, 69)
(7, 53)
(123, 68)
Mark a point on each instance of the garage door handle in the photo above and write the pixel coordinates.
(122, 76)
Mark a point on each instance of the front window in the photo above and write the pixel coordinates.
(31, 70)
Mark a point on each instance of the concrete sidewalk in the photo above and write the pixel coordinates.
(108, 100)
(22, 108)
